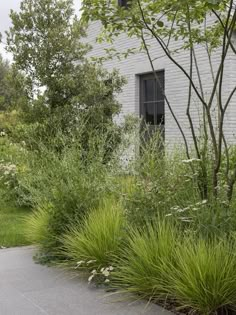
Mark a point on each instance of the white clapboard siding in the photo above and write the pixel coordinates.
(176, 85)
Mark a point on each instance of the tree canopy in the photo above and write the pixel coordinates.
(45, 42)
(12, 87)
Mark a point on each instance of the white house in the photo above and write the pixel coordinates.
(141, 96)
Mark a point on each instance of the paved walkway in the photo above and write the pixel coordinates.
(27, 288)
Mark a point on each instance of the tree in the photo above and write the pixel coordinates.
(63, 86)
(185, 22)
(4, 70)
(44, 41)
(12, 87)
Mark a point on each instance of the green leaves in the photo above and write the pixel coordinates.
(168, 20)
(12, 87)
(160, 23)
(44, 41)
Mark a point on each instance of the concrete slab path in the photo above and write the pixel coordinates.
(27, 288)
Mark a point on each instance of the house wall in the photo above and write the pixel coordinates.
(176, 85)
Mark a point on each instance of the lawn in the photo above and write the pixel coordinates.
(12, 224)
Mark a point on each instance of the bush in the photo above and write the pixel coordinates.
(11, 167)
(92, 243)
(166, 183)
(67, 181)
(162, 182)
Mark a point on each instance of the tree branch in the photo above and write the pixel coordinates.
(166, 99)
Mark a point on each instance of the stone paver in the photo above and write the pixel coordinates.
(27, 288)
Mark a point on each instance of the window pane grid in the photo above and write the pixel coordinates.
(152, 99)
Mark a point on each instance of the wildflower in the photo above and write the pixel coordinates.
(106, 272)
(90, 278)
(91, 262)
(79, 263)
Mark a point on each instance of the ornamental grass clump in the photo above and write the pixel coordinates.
(143, 266)
(37, 228)
(164, 264)
(204, 276)
(92, 243)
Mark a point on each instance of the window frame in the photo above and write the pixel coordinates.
(142, 78)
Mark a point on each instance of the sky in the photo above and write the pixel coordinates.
(5, 22)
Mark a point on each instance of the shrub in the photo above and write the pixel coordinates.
(92, 243)
(204, 277)
(161, 183)
(168, 184)
(11, 166)
(70, 184)
(143, 264)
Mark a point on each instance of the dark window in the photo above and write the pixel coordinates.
(123, 3)
(152, 104)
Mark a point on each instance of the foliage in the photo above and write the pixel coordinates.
(12, 158)
(146, 17)
(37, 227)
(4, 70)
(8, 120)
(159, 227)
(143, 266)
(92, 243)
(44, 41)
(206, 25)
(203, 278)
(12, 88)
(161, 183)
(64, 89)
(72, 183)
(12, 222)
(95, 89)
(163, 265)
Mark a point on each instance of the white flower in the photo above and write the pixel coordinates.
(106, 272)
(107, 280)
(94, 272)
(91, 262)
(111, 268)
(90, 278)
